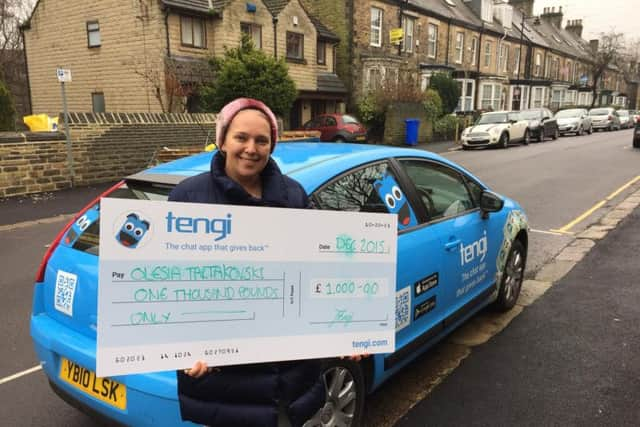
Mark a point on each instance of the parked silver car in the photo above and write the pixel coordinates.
(626, 121)
(575, 120)
(604, 118)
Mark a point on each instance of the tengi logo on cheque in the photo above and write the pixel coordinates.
(132, 231)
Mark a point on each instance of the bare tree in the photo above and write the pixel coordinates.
(162, 78)
(12, 13)
(605, 52)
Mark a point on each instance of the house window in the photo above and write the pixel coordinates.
(408, 24)
(376, 27)
(193, 32)
(491, 96)
(487, 10)
(432, 45)
(97, 101)
(254, 32)
(518, 52)
(295, 45)
(374, 79)
(557, 99)
(474, 50)
(555, 67)
(538, 97)
(93, 34)
(459, 47)
(467, 89)
(503, 57)
(519, 97)
(538, 64)
(322, 53)
(547, 67)
(487, 54)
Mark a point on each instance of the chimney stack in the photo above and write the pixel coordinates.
(554, 18)
(575, 27)
(524, 6)
(594, 45)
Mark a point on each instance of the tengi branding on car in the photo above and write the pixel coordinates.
(473, 250)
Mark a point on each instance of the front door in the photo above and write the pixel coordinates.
(295, 116)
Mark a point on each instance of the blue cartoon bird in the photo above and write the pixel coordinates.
(390, 193)
(132, 231)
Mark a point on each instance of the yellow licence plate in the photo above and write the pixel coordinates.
(360, 138)
(103, 389)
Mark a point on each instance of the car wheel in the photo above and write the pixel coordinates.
(590, 131)
(512, 277)
(345, 393)
(580, 131)
(541, 135)
(338, 139)
(504, 141)
(526, 138)
(636, 143)
(556, 134)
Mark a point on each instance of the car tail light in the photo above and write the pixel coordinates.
(610, 117)
(54, 244)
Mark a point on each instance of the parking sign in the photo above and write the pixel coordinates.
(64, 75)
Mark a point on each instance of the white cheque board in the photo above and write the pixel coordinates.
(230, 285)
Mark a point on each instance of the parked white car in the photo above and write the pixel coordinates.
(574, 120)
(499, 128)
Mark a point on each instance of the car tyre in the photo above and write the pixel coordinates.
(339, 139)
(512, 277)
(527, 137)
(345, 394)
(636, 142)
(590, 131)
(556, 134)
(580, 131)
(504, 141)
(541, 135)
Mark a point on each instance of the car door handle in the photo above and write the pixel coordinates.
(452, 245)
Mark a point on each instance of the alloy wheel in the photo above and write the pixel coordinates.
(514, 273)
(342, 400)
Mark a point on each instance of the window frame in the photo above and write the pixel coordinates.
(407, 46)
(538, 64)
(91, 31)
(252, 27)
(192, 20)
(432, 40)
(376, 29)
(95, 95)
(487, 53)
(474, 50)
(321, 46)
(459, 47)
(300, 37)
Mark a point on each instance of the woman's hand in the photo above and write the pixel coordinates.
(356, 357)
(199, 369)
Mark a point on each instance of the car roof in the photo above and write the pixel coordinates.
(310, 163)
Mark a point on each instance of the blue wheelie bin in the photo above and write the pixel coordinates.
(411, 133)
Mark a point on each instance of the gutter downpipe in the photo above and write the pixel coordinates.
(479, 54)
(275, 36)
(166, 30)
(446, 61)
(504, 36)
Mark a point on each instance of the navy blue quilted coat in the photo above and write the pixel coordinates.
(249, 395)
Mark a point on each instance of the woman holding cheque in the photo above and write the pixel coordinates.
(243, 173)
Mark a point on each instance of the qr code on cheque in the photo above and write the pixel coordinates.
(403, 305)
(65, 291)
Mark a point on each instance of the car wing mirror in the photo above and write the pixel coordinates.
(490, 202)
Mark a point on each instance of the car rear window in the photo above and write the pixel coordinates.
(88, 239)
(599, 112)
(348, 119)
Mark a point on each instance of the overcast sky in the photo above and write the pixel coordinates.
(598, 16)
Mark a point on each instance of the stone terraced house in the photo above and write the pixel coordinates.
(150, 55)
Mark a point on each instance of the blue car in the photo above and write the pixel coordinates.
(461, 248)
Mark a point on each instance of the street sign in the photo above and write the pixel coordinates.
(64, 75)
(396, 35)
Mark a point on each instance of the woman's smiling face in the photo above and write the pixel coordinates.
(247, 145)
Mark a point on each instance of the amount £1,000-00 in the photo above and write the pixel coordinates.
(351, 288)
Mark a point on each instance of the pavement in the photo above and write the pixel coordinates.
(569, 359)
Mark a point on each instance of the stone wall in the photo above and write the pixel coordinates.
(394, 129)
(106, 147)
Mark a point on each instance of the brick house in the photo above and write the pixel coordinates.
(150, 55)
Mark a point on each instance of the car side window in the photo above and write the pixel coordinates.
(442, 189)
(373, 188)
(331, 121)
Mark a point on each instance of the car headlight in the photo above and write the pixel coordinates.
(494, 131)
(465, 132)
(534, 123)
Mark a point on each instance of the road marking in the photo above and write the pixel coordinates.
(26, 224)
(20, 374)
(552, 232)
(597, 206)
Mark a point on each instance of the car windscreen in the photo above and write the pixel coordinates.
(88, 239)
(564, 114)
(486, 119)
(349, 119)
(530, 115)
(623, 113)
(599, 112)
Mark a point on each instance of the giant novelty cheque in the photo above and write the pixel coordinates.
(231, 285)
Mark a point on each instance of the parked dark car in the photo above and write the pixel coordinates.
(542, 124)
(337, 127)
(636, 135)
